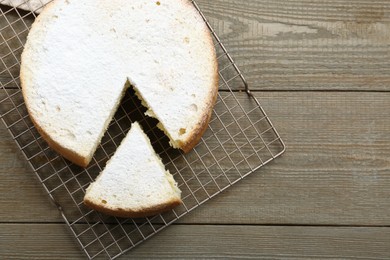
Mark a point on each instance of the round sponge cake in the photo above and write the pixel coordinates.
(81, 56)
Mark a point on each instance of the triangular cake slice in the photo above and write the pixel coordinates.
(134, 182)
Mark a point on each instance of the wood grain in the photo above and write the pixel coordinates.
(321, 69)
(52, 241)
(19, 187)
(336, 164)
(288, 45)
(307, 45)
(335, 171)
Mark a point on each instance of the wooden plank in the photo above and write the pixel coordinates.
(286, 45)
(306, 45)
(35, 241)
(23, 198)
(52, 241)
(335, 170)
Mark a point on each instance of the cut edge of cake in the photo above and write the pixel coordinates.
(84, 159)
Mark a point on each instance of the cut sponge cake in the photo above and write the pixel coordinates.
(134, 182)
(80, 56)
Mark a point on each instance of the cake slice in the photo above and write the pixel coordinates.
(81, 56)
(134, 182)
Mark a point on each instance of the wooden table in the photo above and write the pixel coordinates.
(321, 70)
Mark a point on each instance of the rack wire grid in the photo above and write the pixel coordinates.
(240, 139)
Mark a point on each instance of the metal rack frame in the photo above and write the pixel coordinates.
(240, 140)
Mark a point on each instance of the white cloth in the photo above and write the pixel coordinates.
(29, 5)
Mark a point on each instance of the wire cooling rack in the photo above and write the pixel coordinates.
(240, 140)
